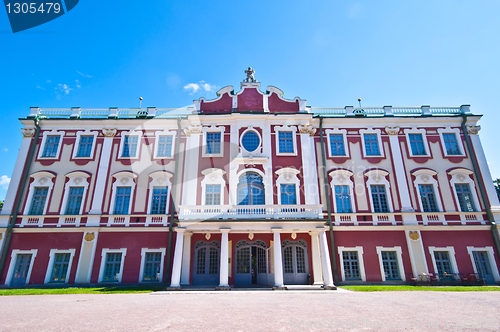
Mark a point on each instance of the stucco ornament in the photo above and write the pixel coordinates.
(250, 236)
(194, 129)
(77, 180)
(392, 130)
(307, 129)
(473, 130)
(414, 235)
(377, 178)
(124, 180)
(109, 132)
(43, 180)
(250, 78)
(89, 237)
(161, 180)
(207, 236)
(425, 178)
(461, 177)
(28, 132)
(341, 178)
(294, 236)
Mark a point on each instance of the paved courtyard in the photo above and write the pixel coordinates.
(254, 311)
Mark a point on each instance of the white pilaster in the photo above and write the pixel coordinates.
(190, 181)
(278, 263)
(316, 259)
(325, 260)
(186, 259)
(310, 171)
(224, 258)
(176, 268)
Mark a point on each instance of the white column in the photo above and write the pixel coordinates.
(397, 157)
(310, 171)
(102, 177)
(278, 263)
(176, 268)
(325, 260)
(190, 181)
(8, 204)
(224, 258)
(186, 259)
(316, 259)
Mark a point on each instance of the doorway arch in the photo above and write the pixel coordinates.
(206, 263)
(252, 263)
(295, 262)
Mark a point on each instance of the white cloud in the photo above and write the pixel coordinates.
(84, 75)
(78, 85)
(4, 181)
(200, 86)
(63, 88)
(6, 150)
(39, 87)
(48, 81)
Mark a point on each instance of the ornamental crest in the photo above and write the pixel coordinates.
(89, 237)
(392, 130)
(307, 129)
(473, 129)
(28, 132)
(109, 132)
(414, 235)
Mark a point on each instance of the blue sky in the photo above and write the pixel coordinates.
(108, 54)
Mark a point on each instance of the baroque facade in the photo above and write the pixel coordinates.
(249, 188)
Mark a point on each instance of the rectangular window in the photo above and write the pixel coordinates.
(371, 145)
(112, 267)
(379, 198)
(159, 203)
(75, 197)
(285, 142)
(390, 263)
(212, 194)
(337, 145)
(60, 268)
(152, 266)
(343, 199)
(443, 263)
(122, 200)
(451, 144)
(213, 143)
(288, 196)
(465, 197)
(165, 146)
(38, 201)
(21, 269)
(428, 197)
(85, 146)
(351, 265)
(51, 145)
(417, 144)
(130, 146)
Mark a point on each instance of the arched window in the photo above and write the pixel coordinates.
(250, 189)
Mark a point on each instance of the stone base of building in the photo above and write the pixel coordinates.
(173, 288)
(330, 287)
(279, 288)
(223, 288)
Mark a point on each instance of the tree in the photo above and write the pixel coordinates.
(497, 187)
(1, 204)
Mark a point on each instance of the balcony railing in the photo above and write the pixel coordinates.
(250, 212)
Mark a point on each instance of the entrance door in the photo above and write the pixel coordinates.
(21, 270)
(483, 266)
(251, 263)
(295, 262)
(206, 263)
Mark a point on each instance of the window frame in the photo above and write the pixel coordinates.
(79, 134)
(451, 255)
(462, 176)
(213, 176)
(124, 134)
(361, 263)
(158, 134)
(342, 177)
(258, 150)
(379, 142)
(213, 129)
(40, 179)
(159, 179)
(50, 266)
(53, 132)
(277, 130)
(13, 261)
(76, 179)
(422, 132)
(104, 254)
(456, 131)
(122, 179)
(426, 176)
(288, 175)
(379, 177)
(399, 257)
(337, 131)
(491, 257)
(144, 251)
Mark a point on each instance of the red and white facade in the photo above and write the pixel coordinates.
(245, 177)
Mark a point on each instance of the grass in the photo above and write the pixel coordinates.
(71, 290)
(405, 288)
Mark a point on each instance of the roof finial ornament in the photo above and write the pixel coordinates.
(250, 78)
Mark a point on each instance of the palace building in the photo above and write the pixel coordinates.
(250, 188)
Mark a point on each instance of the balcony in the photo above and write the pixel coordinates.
(250, 212)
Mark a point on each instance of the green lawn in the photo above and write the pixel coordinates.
(380, 288)
(98, 290)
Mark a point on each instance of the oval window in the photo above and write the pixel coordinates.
(250, 141)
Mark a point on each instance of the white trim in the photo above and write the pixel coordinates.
(122, 179)
(41, 179)
(137, 133)
(378, 177)
(491, 258)
(456, 131)
(213, 176)
(75, 180)
(414, 130)
(143, 261)
(12, 264)
(342, 177)
(213, 129)
(285, 128)
(288, 175)
(258, 150)
(165, 132)
(462, 176)
(104, 253)
(451, 253)
(361, 263)
(426, 176)
(53, 132)
(76, 147)
(158, 179)
(399, 256)
(379, 142)
(342, 132)
(50, 266)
